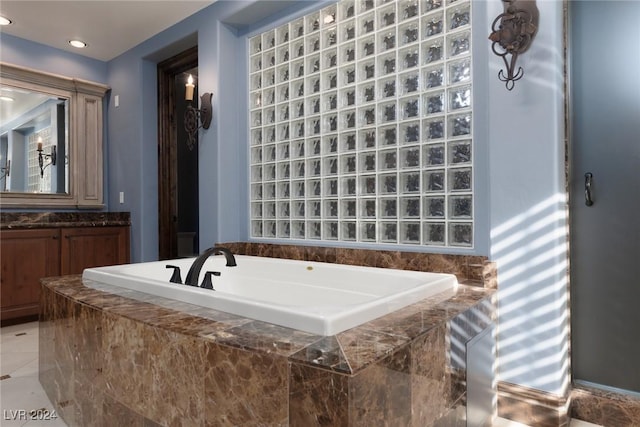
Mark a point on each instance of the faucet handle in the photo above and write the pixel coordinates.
(206, 282)
(175, 277)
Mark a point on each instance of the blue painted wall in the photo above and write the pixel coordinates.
(527, 208)
(519, 164)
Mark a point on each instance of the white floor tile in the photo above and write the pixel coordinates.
(30, 369)
(11, 362)
(23, 393)
(502, 422)
(580, 423)
(19, 344)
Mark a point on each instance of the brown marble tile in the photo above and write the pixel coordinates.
(473, 270)
(87, 370)
(490, 275)
(454, 417)
(381, 393)
(260, 249)
(238, 248)
(140, 311)
(604, 407)
(116, 414)
(364, 257)
(64, 352)
(46, 341)
(320, 254)
(318, 397)
(453, 264)
(125, 358)
(173, 382)
(309, 380)
(288, 252)
(244, 388)
(430, 383)
(362, 347)
(413, 320)
(325, 353)
(531, 406)
(27, 220)
(188, 324)
(264, 337)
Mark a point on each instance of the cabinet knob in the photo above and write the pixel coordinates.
(55, 237)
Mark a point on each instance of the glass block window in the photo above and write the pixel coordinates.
(361, 125)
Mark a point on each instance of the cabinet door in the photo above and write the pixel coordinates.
(27, 256)
(93, 247)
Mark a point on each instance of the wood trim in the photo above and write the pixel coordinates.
(167, 150)
(85, 138)
(89, 143)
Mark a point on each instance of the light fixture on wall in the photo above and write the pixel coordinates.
(194, 118)
(512, 34)
(5, 171)
(53, 157)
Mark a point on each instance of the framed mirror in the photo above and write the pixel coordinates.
(50, 140)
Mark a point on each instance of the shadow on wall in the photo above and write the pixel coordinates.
(533, 318)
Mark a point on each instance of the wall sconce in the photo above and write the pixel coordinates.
(512, 34)
(5, 171)
(195, 119)
(53, 157)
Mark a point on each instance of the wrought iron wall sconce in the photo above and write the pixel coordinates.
(5, 171)
(53, 157)
(512, 34)
(194, 118)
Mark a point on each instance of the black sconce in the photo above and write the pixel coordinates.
(5, 171)
(194, 118)
(512, 34)
(53, 157)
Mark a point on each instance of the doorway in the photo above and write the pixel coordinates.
(178, 215)
(605, 193)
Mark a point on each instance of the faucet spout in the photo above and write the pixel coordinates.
(196, 267)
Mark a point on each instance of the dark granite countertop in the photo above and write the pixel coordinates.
(347, 352)
(30, 220)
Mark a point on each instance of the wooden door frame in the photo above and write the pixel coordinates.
(167, 150)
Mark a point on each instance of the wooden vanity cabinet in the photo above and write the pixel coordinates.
(26, 256)
(82, 248)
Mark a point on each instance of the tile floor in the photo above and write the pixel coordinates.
(21, 390)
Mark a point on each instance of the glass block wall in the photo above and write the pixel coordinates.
(361, 125)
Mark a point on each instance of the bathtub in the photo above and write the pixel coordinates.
(320, 298)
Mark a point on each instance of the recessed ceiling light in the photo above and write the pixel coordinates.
(4, 21)
(6, 98)
(77, 43)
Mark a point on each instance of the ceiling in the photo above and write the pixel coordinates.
(109, 27)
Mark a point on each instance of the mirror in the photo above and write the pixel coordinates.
(34, 145)
(50, 140)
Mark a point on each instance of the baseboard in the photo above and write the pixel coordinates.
(603, 407)
(531, 406)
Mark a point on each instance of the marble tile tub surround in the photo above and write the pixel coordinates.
(604, 407)
(470, 270)
(112, 355)
(28, 220)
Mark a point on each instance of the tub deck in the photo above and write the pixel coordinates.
(314, 297)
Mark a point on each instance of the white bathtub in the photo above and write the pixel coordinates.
(315, 297)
